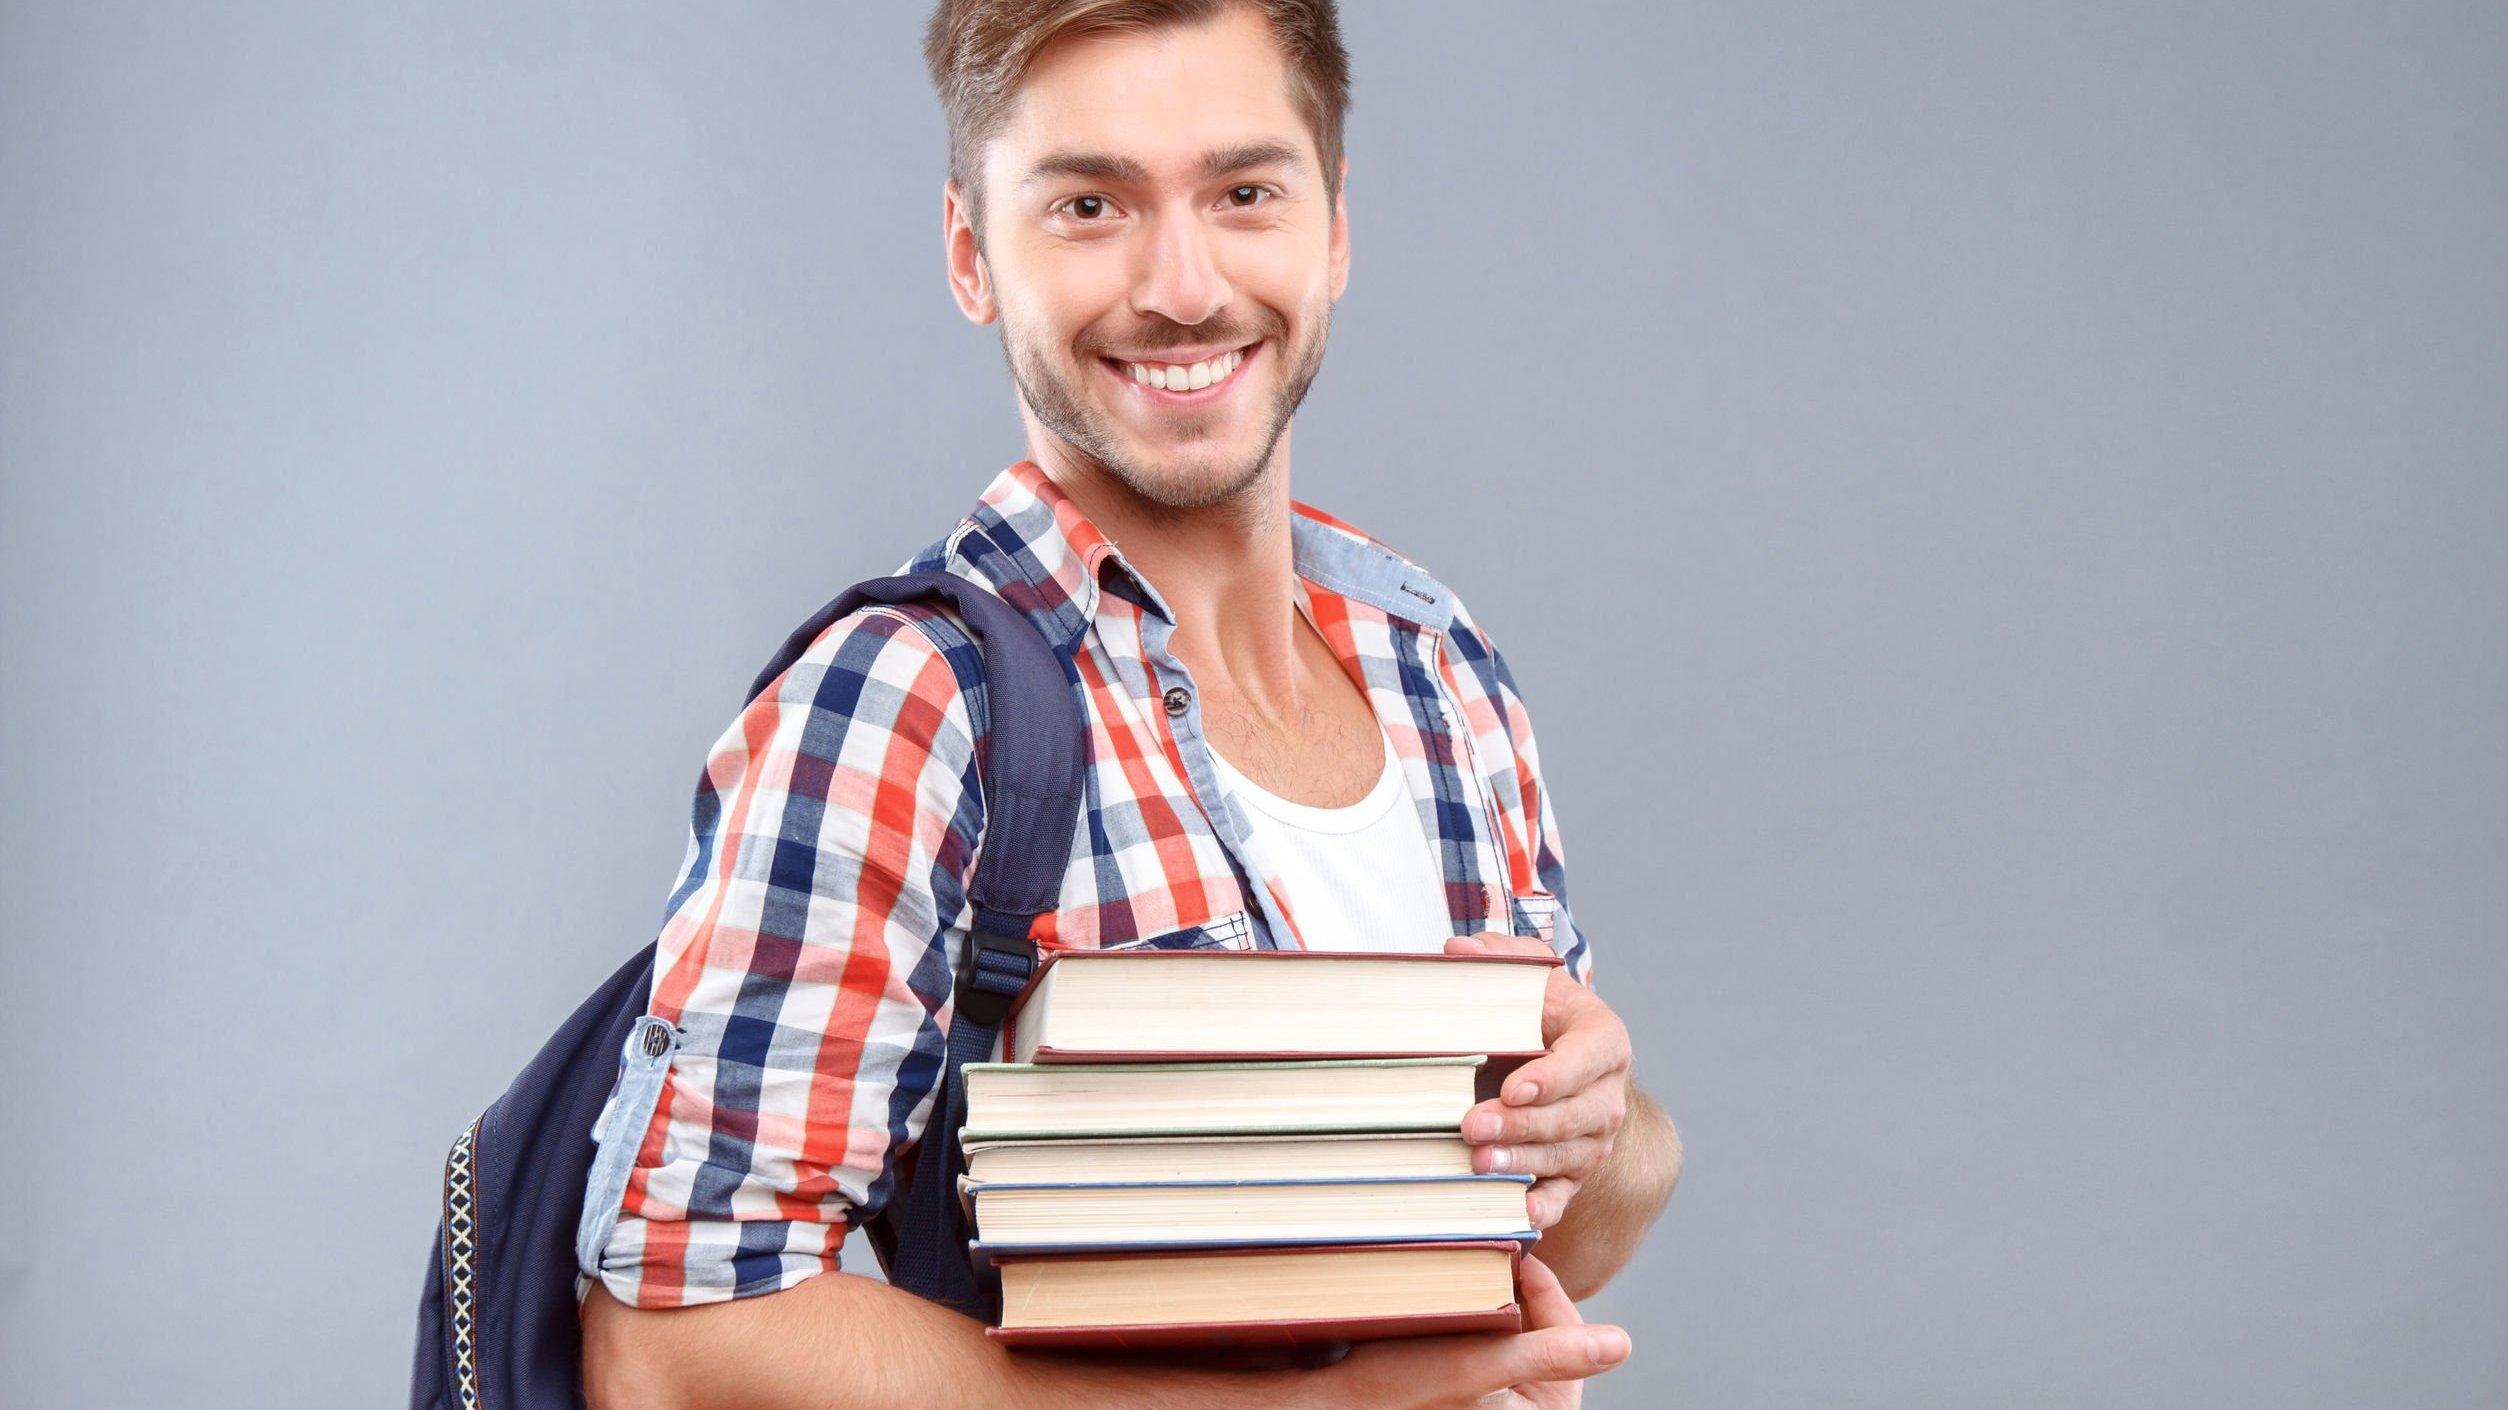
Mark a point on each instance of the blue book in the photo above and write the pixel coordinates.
(1172, 1214)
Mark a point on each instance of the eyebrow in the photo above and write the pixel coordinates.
(1100, 166)
(1234, 159)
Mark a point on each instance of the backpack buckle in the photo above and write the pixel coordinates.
(992, 970)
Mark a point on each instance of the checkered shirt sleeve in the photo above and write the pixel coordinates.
(806, 962)
(1540, 820)
(1502, 733)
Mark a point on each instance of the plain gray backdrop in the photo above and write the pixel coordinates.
(1997, 508)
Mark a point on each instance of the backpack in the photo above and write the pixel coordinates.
(498, 1322)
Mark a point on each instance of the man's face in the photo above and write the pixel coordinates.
(1161, 253)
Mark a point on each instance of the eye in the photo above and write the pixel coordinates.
(1088, 208)
(1243, 196)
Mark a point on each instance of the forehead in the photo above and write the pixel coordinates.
(1160, 98)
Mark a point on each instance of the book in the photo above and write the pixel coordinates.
(1144, 1005)
(1257, 1296)
(1119, 1159)
(1010, 1101)
(1183, 1213)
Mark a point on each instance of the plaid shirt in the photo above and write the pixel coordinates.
(807, 955)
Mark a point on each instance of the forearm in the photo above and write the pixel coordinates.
(1611, 1211)
(837, 1342)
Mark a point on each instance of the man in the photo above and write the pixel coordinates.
(1146, 195)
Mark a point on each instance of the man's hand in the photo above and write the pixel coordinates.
(1542, 1368)
(1557, 1116)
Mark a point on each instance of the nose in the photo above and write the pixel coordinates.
(1180, 279)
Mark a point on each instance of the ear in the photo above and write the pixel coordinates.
(1341, 234)
(970, 281)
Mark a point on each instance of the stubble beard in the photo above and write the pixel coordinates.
(1186, 481)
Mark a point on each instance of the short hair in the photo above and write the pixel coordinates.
(980, 50)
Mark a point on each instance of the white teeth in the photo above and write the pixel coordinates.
(1168, 377)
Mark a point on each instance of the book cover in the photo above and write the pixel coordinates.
(1506, 1317)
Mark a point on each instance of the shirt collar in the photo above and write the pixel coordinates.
(1025, 515)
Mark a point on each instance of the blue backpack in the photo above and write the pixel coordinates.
(498, 1324)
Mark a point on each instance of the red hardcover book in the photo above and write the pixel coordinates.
(1254, 1005)
(1256, 1297)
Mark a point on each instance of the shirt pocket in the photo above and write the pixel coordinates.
(1228, 932)
(1537, 915)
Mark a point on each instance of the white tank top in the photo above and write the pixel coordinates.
(1358, 878)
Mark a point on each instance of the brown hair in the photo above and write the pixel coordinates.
(979, 50)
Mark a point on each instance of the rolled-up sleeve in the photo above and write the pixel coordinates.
(1537, 813)
(805, 963)
(1528, 814)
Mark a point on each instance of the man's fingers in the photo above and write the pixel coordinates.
(1578, 1058)
(1546, 1303)
(1546, 1202)
(1556, 1346)
(1570, 1157)
(1551, 1354)
(1589, 1114)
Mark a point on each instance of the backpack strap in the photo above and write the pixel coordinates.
(1033, 785)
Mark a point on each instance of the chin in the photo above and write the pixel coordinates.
(1191, 480)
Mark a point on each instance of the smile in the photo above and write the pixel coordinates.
(1172, 378)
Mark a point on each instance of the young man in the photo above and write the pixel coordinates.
(1298, 738)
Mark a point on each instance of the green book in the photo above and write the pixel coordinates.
(1290, 1156)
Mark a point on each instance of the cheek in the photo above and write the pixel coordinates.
(1286, 281)
(1051, 301)
(1082, 286)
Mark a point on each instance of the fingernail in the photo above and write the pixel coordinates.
(1608, 1344)
(1524, 1094)
(1499, 1158)
(1482, 1126)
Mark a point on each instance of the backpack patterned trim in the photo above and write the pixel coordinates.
(461, 1173)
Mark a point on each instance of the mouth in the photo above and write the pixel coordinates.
(1190, 383)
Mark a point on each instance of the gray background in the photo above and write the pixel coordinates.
(1998, 509)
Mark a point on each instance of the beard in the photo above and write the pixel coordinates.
(1192, 477)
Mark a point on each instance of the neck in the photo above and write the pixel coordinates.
(1225, 569)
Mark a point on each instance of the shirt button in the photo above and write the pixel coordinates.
(1179, 700)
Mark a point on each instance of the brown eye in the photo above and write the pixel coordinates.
(1088, 207)
(1245, 195)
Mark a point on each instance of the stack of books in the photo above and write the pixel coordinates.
(1203, 1147)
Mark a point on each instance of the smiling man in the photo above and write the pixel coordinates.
(1299, 739)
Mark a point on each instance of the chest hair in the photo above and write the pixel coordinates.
(1329, 753)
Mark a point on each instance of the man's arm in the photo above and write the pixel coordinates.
(1610, 1212)
(837, 1342)
(1603, 1156)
